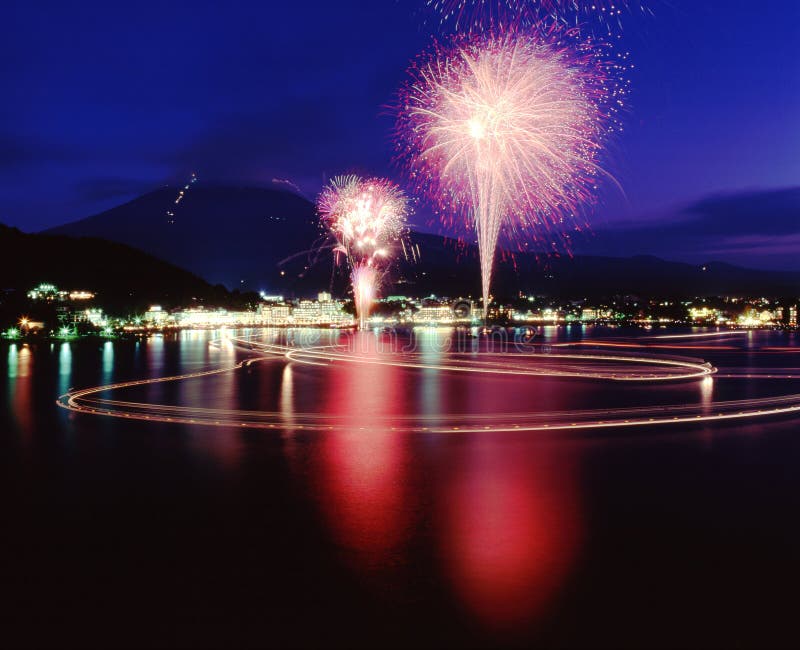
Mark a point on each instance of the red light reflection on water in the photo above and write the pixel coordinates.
(510, 529)
(20, 376)
(502, 509)
(509, 525)
(361, 466)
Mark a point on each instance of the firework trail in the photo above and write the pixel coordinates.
(506, 131)
(477, 15)
(367, 217)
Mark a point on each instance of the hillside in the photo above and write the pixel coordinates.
(122, 277)
(267, 239)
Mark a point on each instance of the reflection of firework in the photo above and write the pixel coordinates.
(508, 130)
(480, 14)
(365, 279)
(367, 217)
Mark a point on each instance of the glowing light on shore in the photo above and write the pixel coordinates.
(506, 132)
(367, 217)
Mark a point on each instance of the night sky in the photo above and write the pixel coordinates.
(104, 101)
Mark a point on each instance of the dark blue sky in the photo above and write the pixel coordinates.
(103, 101)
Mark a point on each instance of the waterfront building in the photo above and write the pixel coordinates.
(155, 316)
(431, 314)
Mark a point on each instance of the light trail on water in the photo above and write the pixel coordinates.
(567, 367)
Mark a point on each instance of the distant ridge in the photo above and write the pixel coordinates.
(269, 239)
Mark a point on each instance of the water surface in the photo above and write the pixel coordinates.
(126, 533)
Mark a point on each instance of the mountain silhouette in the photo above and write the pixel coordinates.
(255, 239)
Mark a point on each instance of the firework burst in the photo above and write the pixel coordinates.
(477, 15)
(367, 218)
(506, 131)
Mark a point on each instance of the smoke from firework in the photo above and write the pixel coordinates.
(367, 217)
(507, 132)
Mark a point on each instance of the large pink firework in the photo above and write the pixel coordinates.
(367, 217)
(507, 132)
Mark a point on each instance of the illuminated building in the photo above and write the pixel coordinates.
(500, 312)
(48, 292)
(592, 314)
(323, 311)
(96, 317)
(27, 326)
(305, 312)
(274, 314)
(81, 295)
(547, 315)
(434, 314)
(550, 315)
(51, 293)
(704, 314)
(756, 318)
(155, 316)
(203, 318)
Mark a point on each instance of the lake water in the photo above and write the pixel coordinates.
(375, 527)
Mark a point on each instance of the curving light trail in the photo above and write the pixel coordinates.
(569, 366)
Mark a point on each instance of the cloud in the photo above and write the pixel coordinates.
(775, 212)
(760, 227)
(759, 244)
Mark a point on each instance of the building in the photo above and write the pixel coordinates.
(323, 311)
(593, 314)
(431, 314)
(78, 296)
(51, 293)
(46, 292)
(702, 314)
(274, 313)
(203, 318)
(501, 311)
(155, 316)
(96, 317)
(306, 312)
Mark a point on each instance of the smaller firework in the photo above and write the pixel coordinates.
(367, 217)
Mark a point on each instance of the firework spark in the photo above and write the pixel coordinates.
(367, 217)
(476, 15)
(507, 131)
